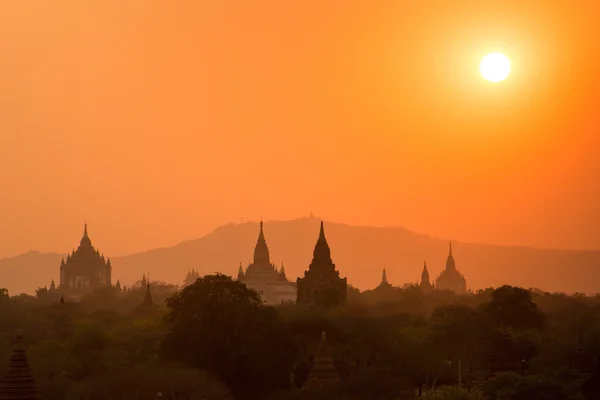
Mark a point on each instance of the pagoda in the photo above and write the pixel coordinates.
(84, 269)
(148, 307)
(321, 284)
(425, 284)
(264, 277)
(384, 285)
(450, 279)
(18, 383)
(323, 370)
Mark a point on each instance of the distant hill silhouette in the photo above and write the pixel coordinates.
(359, 253)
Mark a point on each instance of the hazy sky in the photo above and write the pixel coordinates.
(157, 121)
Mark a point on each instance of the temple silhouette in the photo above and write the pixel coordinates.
(263, 276)
(84, 270)
(450, 278)
(321, 284)
(18, 383)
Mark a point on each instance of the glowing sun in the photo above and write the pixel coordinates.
(495, 67)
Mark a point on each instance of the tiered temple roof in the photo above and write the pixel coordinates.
(18, 383)
(321, 283)
(264, 277)
(450, 278)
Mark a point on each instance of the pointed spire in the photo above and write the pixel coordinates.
(425, 275)
(450, 263)
(85, 240)
(261, 251)
(148, 299)
(322, 253)
(384, 280)
(240, 273)
(62, 299)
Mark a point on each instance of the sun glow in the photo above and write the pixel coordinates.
(495, 67)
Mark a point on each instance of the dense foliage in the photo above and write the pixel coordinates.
(214, 339)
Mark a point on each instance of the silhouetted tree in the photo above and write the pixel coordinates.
(220, 325)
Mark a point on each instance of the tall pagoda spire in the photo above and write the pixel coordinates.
(425, 275)
(85, 240)
(322, 253)
(240, 272)
(261, 251)
(148, 302)
(18, 383)
(384, 280)
(450, 263)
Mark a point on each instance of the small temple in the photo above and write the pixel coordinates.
(321, 284)
(264, 277)
(323, 370)
(84, 270)
(384, 285)
(425, 284)
(18, 383)
(450, 279)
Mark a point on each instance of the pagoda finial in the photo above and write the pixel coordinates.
(322, 231)
(384, 280)
(450, 247)
(62, 299)
(85, 240)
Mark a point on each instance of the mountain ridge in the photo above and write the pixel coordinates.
(360, 253)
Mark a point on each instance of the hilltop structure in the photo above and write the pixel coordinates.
(191, 277)
(425, 284)
(18, 383)
(384, 285)
(263, 276)
(450, 278)
(84, 270)
(321, 284)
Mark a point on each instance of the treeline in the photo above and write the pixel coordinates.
(215, 340)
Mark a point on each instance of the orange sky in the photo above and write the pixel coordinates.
(157, 121)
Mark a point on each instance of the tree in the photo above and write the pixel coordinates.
(512, 307)
(220, 325)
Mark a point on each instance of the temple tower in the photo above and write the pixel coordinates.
(425, 284)
(263, 276)
(450, 278)
(321, 284)
(18, 383)
(84, 269)
(384, 281)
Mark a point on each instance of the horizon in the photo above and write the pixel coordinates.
(266, 221)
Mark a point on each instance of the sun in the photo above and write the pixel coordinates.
(495, 67)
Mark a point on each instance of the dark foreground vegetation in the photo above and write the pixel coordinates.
(214, 340)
